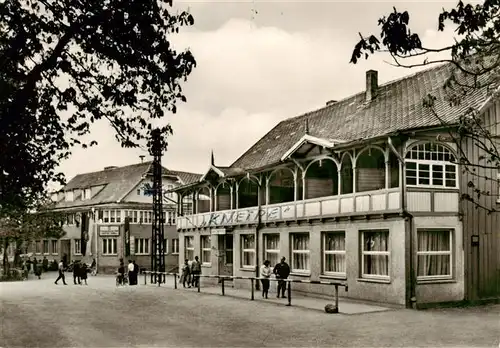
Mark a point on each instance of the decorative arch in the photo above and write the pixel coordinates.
(370, 166)
(203, 199)
(344, 155)
(431, 164)
(282, 189)
(320, 178)
(223, 193)
(247, 192)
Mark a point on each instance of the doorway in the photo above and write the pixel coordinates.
(66, 250)
(225, 254)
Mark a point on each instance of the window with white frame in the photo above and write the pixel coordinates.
(431, 165)
(300, 252)
(105, 216)
(77, 246)
(175, 246)
(206, 248)
(247, 250)
(69, 196)
(46, 247)
(165, 246)
(70, 219)
(110, 246)
(334, 257)
(434, 254)
(87, 194)
(112, 216)
(375, 254)
(272, 248)
(189, 247)
(142, 246)
(54, 247)
(38, 247)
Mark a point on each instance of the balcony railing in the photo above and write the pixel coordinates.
(361, 202)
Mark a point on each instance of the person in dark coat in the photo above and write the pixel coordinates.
(130, 268)
(136, 271)
(83, 273)
(121, 273)
(282, 271)
(76, 272)
(45, 264)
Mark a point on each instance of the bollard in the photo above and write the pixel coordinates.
(289, 293)
(336, 298)
(253, 290)
(223, 281)
(145, 274)
(175, 280)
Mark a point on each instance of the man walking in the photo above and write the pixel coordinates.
(196, 271)
(76, 272)
(136, 271)
(61, 273)
(282, 271)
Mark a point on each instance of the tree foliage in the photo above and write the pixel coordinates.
(475, 59)
(65, 65)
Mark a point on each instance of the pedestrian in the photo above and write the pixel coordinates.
(35, 263)
(130, 272)
(61, 273)
(76, 272)
(93, 267)
(45, 264)
(28, 264)
(83, 273)
(121, 273)
(195, 272)
(265, 273)
(136, 272)
(282, 271)
(186, 274)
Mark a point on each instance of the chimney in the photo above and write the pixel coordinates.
(330, 102)
(110, 167)
(371, 85)
(142, 158)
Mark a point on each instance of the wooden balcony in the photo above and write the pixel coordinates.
(361, 202)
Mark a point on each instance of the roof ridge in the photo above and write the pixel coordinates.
(117, 167)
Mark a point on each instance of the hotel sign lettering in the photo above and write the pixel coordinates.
(243, 216)
(109, 231)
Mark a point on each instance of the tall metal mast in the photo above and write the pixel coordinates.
(157, 235)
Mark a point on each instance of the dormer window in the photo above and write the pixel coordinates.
(69, 196)
(86, 194)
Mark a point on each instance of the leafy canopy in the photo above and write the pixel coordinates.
(66, 64)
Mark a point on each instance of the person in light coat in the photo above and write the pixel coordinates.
(265, 273)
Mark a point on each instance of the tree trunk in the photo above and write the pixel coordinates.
(5, 256)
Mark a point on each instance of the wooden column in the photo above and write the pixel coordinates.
(231, 196)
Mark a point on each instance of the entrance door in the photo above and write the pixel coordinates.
(66, 250)
(226, 254)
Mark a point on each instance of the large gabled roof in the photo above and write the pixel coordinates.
(397, 107)
(116, 183)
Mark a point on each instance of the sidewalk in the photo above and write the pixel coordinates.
(346, 306)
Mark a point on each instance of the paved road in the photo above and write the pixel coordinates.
(39, 313)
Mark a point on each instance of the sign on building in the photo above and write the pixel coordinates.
(109, 231)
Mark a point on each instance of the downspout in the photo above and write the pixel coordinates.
(257, 229)
(411, 301)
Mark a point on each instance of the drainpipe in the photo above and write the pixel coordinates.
(257, 229)
(409, 218)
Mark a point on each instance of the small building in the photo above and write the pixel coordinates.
(366, 190)
(96, 205)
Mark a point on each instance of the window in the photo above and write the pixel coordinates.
(138, 192)
(69, 196)
(375, 254)
(431, 165)
(334, 260)
(134, 217)
(109, 246)
(45, 246)
(55, 249)
(141, 217)
(142, 246)
(150, 217)
(175, 246)
(105, 216)
(112, 216)
(78, 246)
(247, 250)
(38, 247)
(70, 219)
(272, 248)
(118, 216)
(189, 247)
(165, 245)
(206, 248)
(434, 257)
(87, 193)
(300, 252)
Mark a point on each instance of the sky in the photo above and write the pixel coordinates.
(258, 63)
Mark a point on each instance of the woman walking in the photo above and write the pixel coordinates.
(265, 273)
